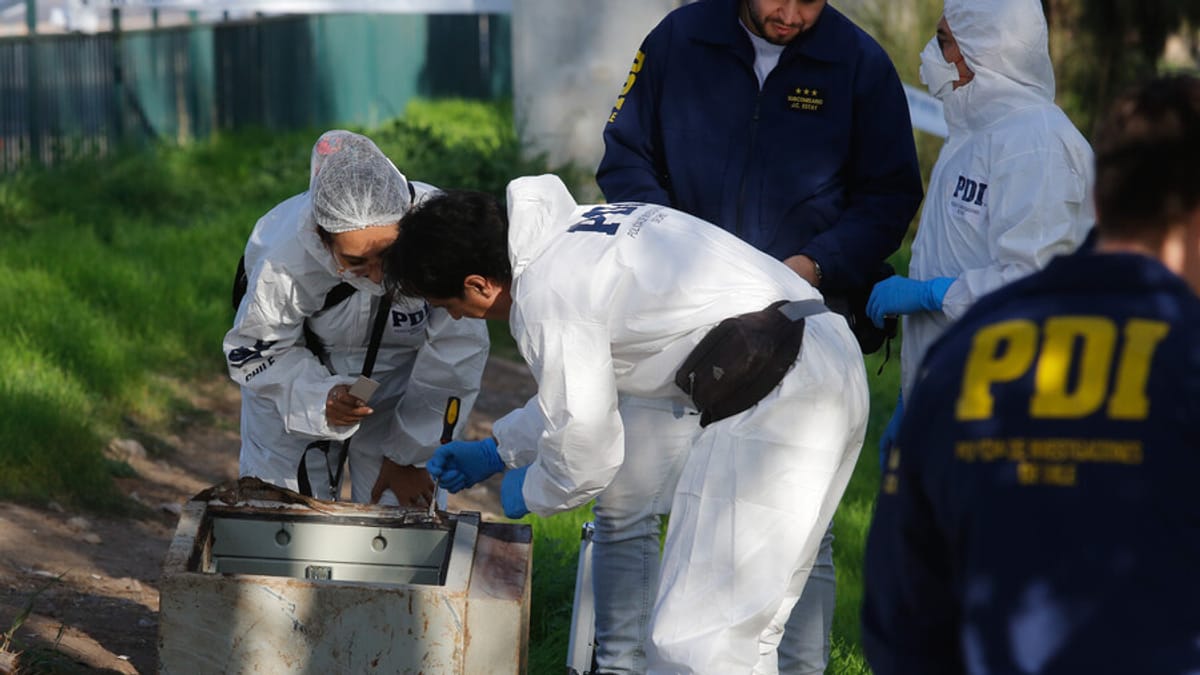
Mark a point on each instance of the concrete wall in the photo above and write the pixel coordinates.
(570, 60)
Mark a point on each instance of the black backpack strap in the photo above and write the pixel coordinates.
(240, 282)
(381, 316)
(302, 470)
(889, 330)
(337, 294)
(334, 297)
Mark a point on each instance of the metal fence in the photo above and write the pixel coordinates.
(62, 96)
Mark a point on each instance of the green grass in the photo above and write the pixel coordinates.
(116, 269)
(555, 557)
(853, 518)
(112, 271)
(116, 272)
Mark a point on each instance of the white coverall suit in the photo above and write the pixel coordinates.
(424, 357)
(1011, 187)
(611, 309)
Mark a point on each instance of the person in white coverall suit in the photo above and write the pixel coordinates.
(300, 250)
(1011, 188)
(607, 301)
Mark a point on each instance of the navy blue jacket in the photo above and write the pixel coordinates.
(1040, 515)
(820, 162)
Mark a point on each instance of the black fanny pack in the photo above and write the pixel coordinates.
(743, 358)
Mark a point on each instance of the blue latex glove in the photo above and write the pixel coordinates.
(901, 295)
(888, 439)
(461, 464)
(511, 496)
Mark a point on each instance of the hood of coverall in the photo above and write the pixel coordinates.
(539, 208)
(352, 186)
(1006, 44)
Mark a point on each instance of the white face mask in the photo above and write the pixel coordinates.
(363, 284)
(937, 73)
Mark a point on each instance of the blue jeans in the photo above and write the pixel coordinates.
(626, 550)
(628, 522)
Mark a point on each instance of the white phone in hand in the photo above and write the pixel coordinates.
(363, 388)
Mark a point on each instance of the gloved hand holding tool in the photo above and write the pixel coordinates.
(449, 419)
(901, 295)
(461, 464)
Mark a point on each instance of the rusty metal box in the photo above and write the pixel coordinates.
(266, 586)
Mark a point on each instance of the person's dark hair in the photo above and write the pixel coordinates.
(1146, 151)
(445, 239)
(325, 235)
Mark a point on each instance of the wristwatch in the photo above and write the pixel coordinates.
(817, 269)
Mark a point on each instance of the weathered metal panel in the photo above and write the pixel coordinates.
(247, 623)
(342, 551)
(497, 629)
(472, 620)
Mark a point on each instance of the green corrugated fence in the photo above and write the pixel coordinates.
(92, 92)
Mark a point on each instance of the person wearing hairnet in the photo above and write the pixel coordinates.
(297, 254)
(769, 456)
(1011, 188)
(1041, 515)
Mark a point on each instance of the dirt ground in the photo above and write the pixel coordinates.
(92, 581)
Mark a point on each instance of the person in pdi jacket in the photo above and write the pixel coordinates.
(333, 233)
(1040, 515)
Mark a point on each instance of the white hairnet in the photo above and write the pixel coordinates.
(353, 184)
(1007, 38)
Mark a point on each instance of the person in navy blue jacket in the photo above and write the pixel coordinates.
(787, 125)
(811, 160)
(1038, 512)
